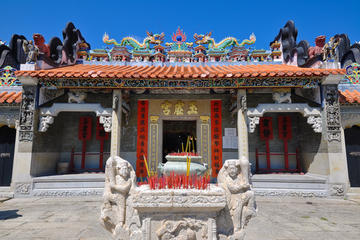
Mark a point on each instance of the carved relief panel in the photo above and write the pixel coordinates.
(27, 114)
(332, 108)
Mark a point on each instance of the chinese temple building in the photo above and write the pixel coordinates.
(142, 100)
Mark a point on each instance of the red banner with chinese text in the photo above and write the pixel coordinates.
(266, 129)
(284, 125)
(85, 124)
(216, 137)
(142, 137)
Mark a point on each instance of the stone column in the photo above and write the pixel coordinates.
(23, 153)
(338, 175)
(116, 123)
(243, 147)
(243, 143)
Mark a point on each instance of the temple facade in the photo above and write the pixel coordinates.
(143, 100)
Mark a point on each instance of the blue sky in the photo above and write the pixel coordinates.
(223, 18)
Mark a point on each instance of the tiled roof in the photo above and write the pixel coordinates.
(10, 97)
(347, 96)
(178, 72)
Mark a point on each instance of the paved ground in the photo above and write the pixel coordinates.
(278, 218)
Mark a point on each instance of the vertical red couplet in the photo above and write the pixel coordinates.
(142, 137)
(216, 137)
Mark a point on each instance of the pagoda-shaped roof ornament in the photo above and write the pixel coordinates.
(179, 50)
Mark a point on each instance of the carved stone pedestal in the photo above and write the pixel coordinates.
(179, 213)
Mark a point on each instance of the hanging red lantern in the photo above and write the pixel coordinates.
(85, 128)
(284, 125)
(266, 129)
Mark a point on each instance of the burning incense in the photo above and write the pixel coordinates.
(193, 145)
(187, 144)
(146, 165)
(188, 165)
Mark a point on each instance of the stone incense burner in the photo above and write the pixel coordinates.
(221, 211)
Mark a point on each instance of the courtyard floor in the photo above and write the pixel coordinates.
(278, 218)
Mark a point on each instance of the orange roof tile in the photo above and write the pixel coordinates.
(347, 96)
(10, 97)
(177, 72)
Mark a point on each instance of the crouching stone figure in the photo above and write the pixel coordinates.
(119, 180)
(234, 179)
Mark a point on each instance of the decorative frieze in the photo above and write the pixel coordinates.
(332, 109)
(183, 83)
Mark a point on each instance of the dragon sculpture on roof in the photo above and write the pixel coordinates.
(129, 41)
(223, 44)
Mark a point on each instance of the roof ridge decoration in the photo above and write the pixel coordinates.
(8, 78)
(179, 49)
(221, 46)
(229, 49)
(352, 75)
(143, 48)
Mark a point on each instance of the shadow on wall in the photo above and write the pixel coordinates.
(310, 148)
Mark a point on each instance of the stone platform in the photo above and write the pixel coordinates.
(307, 185)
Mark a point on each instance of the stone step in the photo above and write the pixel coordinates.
(69, 185)
(353, 193)
(6, 193)
(290, 185)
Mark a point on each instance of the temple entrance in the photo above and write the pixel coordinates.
(175, 134)
(7, 144)
(353, 154)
